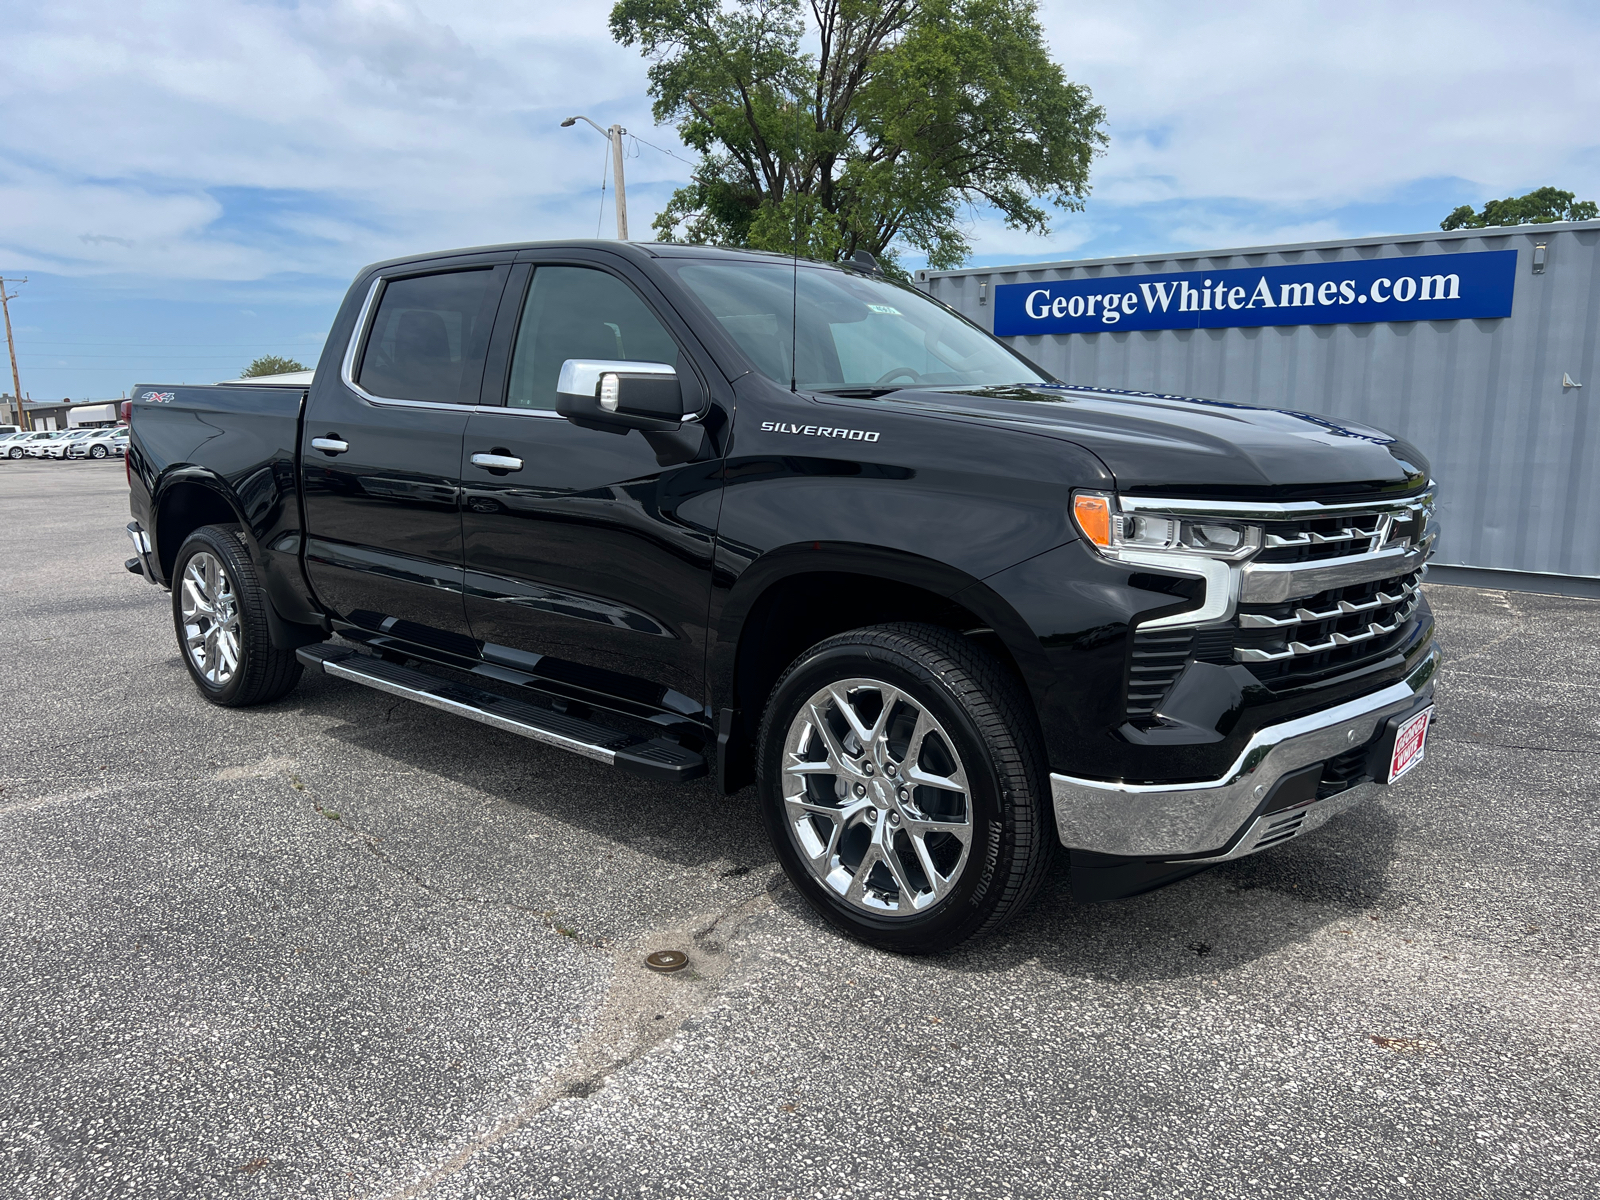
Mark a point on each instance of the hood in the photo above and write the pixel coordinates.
(1180, 445)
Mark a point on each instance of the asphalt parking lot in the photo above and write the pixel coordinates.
(346, 946)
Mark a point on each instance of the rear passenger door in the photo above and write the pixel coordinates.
(381, 456)
(590, 561)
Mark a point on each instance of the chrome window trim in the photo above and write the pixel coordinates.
(546, 413)
(358, 337)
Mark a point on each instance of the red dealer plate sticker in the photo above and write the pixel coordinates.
(1409, 742)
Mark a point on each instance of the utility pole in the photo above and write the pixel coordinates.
(11, 344)
(614, 135)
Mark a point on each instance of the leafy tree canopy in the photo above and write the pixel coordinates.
(271, 364)
(1538, 207)
(834, 126)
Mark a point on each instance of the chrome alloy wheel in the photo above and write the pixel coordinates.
(210, 619)
(876, 798)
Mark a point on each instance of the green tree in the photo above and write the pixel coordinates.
(271, 364)
(1538, 207)
(863, 124)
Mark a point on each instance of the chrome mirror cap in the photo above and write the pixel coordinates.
(581, 376)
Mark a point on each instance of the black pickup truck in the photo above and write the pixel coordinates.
(689, 511)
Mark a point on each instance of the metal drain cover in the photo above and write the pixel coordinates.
(667, 960)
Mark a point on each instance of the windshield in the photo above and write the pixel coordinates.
(853, 333)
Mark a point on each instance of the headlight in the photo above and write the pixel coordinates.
(1116, 533)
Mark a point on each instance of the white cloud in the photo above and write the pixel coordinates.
(1325, 104)
(229, 139)
(232, 140)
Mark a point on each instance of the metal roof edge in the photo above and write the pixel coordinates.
(1438, 235)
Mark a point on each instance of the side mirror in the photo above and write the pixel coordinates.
(617, 395)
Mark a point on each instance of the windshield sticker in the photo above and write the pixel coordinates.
(886, 308)
(851, 435)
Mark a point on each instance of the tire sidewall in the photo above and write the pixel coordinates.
(974, 896)
(224, 546)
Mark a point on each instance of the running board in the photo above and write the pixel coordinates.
(655, 758)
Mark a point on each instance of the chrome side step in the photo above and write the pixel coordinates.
(653, 758)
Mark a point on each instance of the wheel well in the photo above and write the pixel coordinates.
(184, 508)
(801, 610)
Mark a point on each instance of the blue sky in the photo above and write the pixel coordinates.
(187, 184)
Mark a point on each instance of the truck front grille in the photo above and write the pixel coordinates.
(1345, 624)
(1305, 638)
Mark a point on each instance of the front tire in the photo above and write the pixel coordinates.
(97, 451)
(904, 787)
(219, 612)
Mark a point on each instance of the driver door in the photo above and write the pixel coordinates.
(591, 559)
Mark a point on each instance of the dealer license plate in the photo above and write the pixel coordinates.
(1410, 740)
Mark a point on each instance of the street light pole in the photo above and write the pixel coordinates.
(613, 135)
(11, 345)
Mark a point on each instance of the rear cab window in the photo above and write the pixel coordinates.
(429, 335)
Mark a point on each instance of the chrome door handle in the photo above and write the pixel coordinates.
(329, 445)
(496, 462)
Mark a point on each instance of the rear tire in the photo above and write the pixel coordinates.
(219, 611)
(853, 733)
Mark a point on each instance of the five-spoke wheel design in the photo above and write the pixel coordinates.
(876, 798)
(210, 614)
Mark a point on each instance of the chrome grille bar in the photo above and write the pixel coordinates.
(1374, 629)
(1306, 616)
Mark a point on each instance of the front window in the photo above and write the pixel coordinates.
(579, 312)
(852, 333)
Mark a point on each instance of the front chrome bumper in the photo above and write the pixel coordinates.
(1159, 820)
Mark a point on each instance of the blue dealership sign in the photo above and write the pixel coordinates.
(1428, 287)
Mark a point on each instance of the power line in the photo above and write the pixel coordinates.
(659, 150)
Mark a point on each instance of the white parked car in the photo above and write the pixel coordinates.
(16, 446)
(9, 439)
(59, 447)
(38, 440)
(102, 443)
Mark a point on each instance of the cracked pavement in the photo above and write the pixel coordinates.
(347, 947)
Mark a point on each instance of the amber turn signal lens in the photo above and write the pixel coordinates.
(1093, 514)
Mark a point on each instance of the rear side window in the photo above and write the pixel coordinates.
(579, 312)
(429, 337)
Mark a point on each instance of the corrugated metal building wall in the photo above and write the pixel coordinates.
(1514, 450)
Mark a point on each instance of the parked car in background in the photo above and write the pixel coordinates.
(102, 443)
(59, 447)
(17, 445)
(9, 439)
(40, 442)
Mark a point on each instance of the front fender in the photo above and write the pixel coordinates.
(882, 564)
